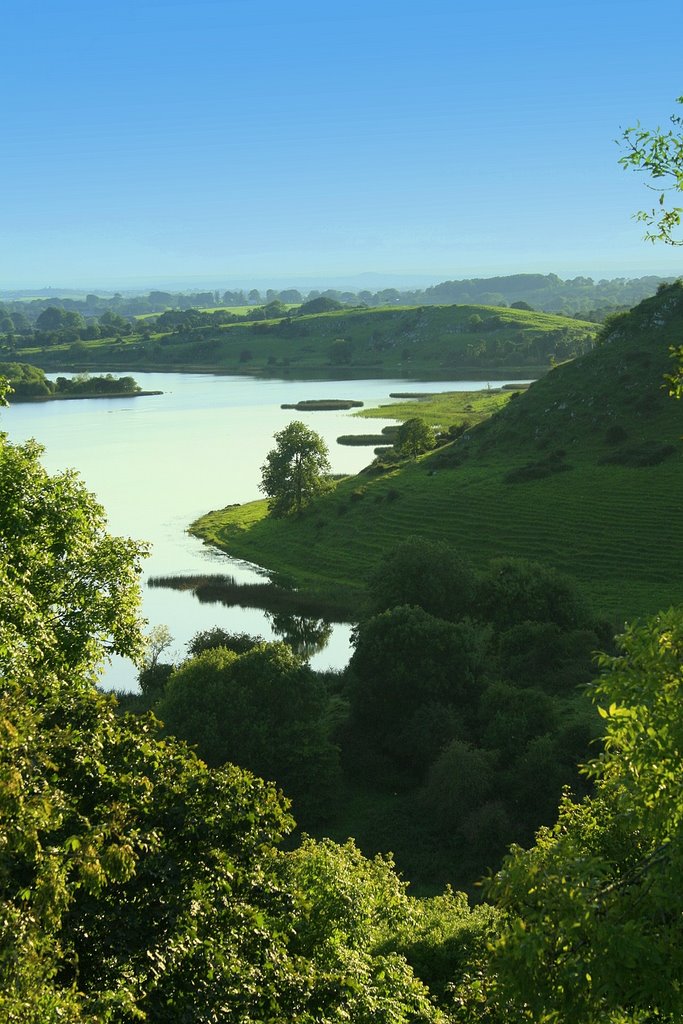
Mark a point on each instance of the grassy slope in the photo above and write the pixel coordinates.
(415, 341)
(615, 528)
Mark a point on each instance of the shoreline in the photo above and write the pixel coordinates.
(23, 399)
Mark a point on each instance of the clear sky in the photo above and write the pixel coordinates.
(223, 141)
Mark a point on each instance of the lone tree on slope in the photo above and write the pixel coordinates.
(414, 437)
(295, 470)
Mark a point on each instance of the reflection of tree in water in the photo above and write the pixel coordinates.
(306, 636)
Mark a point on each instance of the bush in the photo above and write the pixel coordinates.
(428, 574)
(514, 590)
(649, 453)
(209, 639)
(615, 435)
(553, 463)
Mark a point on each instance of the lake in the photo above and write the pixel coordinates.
(157, 463)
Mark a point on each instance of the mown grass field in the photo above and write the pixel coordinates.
(615, 528)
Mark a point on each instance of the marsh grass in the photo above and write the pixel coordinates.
(446, 409)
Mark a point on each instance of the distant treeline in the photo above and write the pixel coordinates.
(579, 296)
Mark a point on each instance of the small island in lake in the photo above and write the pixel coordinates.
(324, 405)
(29, 384)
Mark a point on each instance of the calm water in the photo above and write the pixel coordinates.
(158, 463)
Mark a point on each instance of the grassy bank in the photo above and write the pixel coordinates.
(615, 529)
(608, 519)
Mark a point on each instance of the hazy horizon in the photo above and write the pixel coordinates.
(369, 280)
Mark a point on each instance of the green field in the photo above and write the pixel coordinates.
(443, 410)
(615, 528)
(433, 341)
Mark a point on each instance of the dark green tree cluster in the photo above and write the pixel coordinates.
(593, 912)
(465, 693)
(29, 382)
(263, 709)
(463, 696)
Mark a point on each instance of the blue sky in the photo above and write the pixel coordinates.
(229, 141)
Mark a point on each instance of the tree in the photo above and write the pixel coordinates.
(263, 709)
(294, 471)
(97, 817)
(514, 590)
(594, 911)
(51, 319)
(414, 437)
(414, 683)
(69, 592)
(426, 573)
(341, 352)
(357, 912)
(660, 154)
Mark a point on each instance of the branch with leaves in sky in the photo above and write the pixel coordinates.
(660, 154)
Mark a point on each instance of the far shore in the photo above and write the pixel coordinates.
(15, 400)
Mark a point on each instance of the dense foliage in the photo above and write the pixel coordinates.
(462, 699)
(594, 910)
(136, 882)
(263, 709)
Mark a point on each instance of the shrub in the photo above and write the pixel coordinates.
(615, 434)
(649, 453)
(209, 639)
(553, 463)
(427, 574)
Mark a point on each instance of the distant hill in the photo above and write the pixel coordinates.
(403, 341)
(584, 471)
(576, 296)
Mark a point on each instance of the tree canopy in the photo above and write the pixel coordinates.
(295, 470)
(414, 437)
(594, 910)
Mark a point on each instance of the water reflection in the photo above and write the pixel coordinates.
(305, 636)
(293, 616)
(271, 597)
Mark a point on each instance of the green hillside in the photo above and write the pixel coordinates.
(401, 341)
(583, 471)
